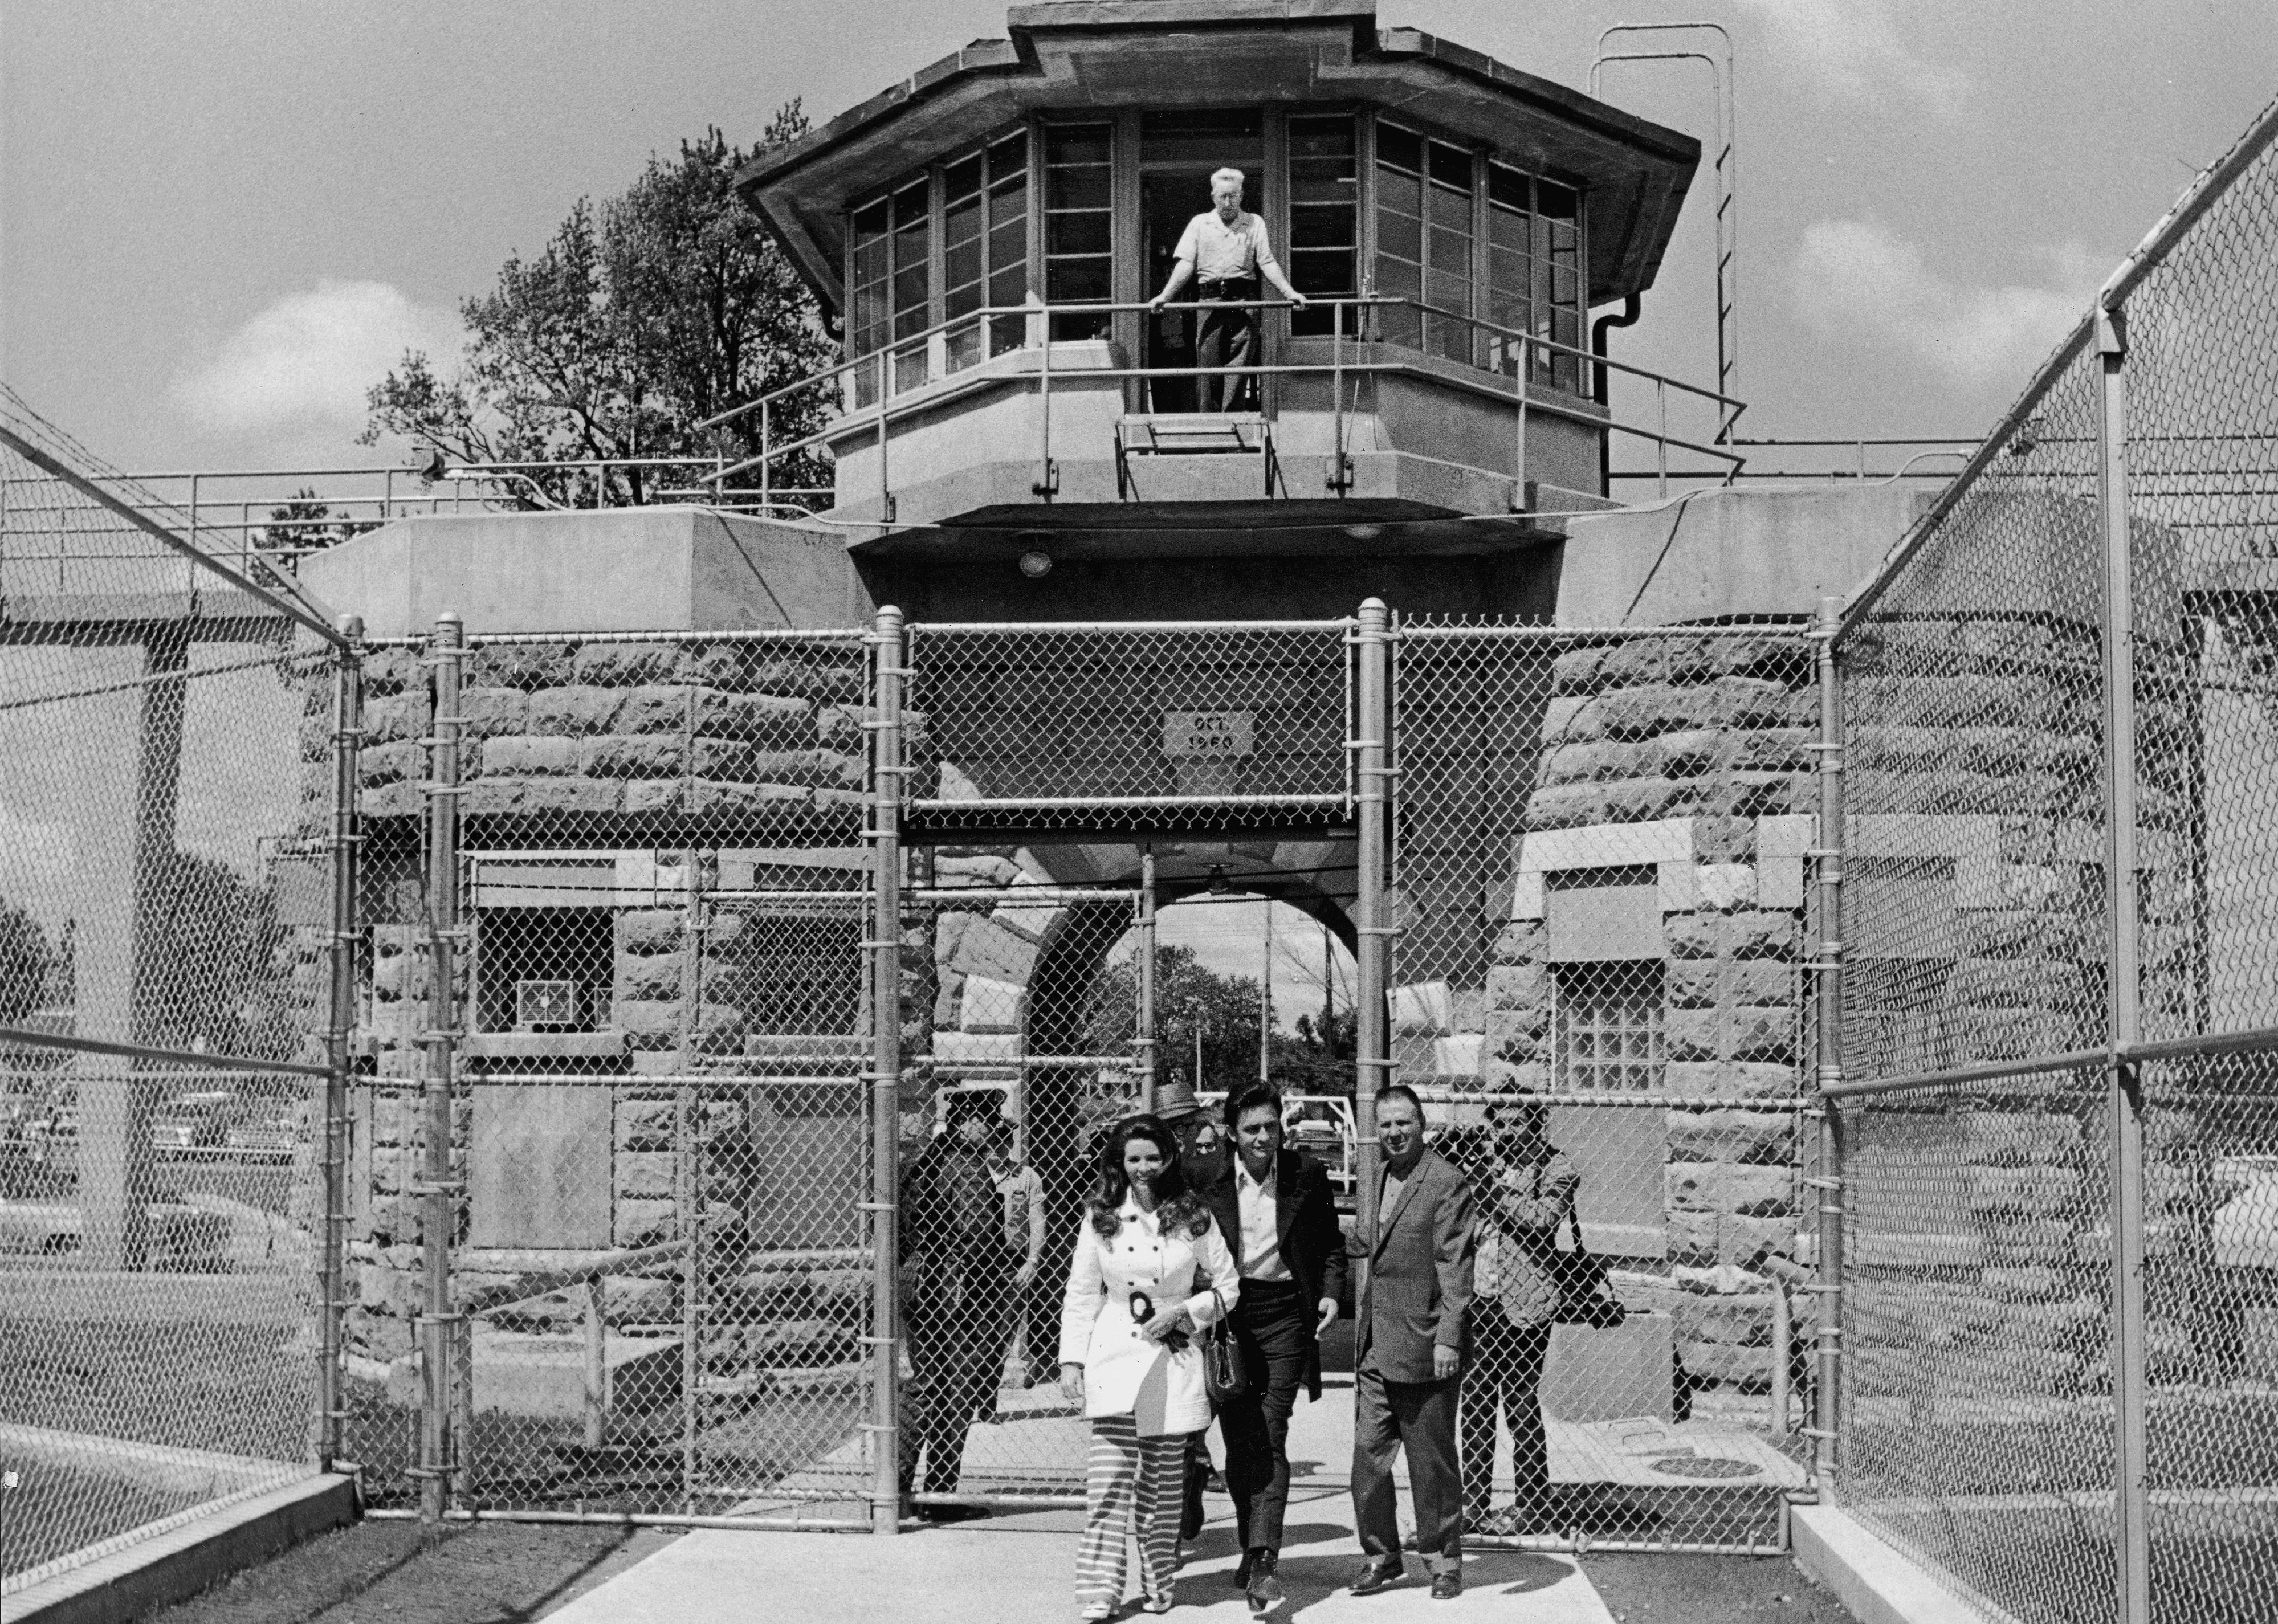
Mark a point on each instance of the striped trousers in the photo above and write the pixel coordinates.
(1131, 1485)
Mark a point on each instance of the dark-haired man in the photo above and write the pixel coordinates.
(1408, 1350)
(1273, 1205)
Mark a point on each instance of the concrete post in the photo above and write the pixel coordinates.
(121, 957)
(1826, 971)
(1373, 1057)
(348, 737)
(2132, 1543)
(436, 1186)
(885, 945)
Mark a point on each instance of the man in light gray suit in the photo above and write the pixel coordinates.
(1415, 1274)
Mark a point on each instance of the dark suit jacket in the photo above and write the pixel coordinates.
(1416, 1278)
(1312, 1246)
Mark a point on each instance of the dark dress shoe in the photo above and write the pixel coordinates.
(1447, 1584)
(1376, 1576)
(1265, 1587)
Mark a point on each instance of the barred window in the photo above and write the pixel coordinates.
(1609, 1027)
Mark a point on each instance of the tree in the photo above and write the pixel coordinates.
(1188, 997)
(303, 524)
(26, 964)
(666, 306)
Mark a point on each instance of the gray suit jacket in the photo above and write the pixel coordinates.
(1415, 1274)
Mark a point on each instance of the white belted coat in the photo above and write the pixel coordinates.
(1124, 1374)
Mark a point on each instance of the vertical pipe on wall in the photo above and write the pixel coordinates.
(436, 1186)
(1142, 1039)
(1827, 1008)
(1372, 1062)
(348, 736)
(885, 1074)
(2132, 1543)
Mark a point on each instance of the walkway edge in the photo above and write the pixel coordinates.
(1874, 1581)
(176, 1565)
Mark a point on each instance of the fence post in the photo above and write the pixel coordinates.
(1826, 967)
(348, 737)
(1372, 1057)
(2131, 1508)
(885, 945)
(688, 1161)
(436, 1186)
(1144, 1021)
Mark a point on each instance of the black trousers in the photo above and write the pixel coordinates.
(1270, 1326)
(1225, 337)
(957, 1356)
(1421, 1417)
(1505, 1373)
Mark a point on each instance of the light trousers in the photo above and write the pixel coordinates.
(1131, 1486)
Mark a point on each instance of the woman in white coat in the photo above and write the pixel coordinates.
(1149, 1269)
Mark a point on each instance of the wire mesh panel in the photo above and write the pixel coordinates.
(1598, 885)
(163, 917)
(2201, 455)
(1028, 1055)
(1068, 727)
(660, 1257)
(1977, 1429)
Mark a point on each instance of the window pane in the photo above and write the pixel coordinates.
(1396, 147)
(961, 182)
(1452, 209)
(1507, 187)
(960, 266)
(1452, 166)
(1079, 279)
(1400, 236)
(1086, 233)
(1085, 186)
(1451, 252)
(1322, 137)
(1008, 247)
(1008, 204)
(1081, 144)
(1557, 202)
(1234, 137)
(1322, 228)
(911, 208)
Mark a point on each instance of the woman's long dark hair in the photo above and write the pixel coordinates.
(1174, 1203)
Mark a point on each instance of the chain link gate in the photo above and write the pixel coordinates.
(620, 889)
(1599, 842)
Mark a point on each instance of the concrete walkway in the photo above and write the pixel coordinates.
(1015, 1570)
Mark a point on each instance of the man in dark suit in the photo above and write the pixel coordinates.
(1408, 1351)
(1273, 1206)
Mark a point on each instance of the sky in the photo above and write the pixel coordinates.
(219, 223)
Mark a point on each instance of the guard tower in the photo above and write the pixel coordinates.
(1019, 428)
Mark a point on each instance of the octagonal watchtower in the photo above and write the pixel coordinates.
(1015, 432)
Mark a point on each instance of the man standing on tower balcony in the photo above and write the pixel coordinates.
(1225, 251)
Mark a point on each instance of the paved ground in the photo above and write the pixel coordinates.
(1001, 1570)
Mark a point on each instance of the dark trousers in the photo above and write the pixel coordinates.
(957, 1357)
(1225, 337)
(1269, 1326)
(1505, 1372)
(1421, 1416)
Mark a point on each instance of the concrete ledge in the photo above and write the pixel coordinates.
(1875, 1583)
(168, 1567)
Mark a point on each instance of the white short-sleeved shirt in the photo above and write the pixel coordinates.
(1220, 251)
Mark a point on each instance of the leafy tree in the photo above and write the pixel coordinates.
(302, 524)
(639, 320)
(26, 964)
(225, 975)
(1188, 997)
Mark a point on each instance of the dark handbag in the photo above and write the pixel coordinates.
(1578, 1278)
(1224, 1375)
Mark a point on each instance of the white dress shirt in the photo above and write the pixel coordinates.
(1219, 252)
(1261, 1226)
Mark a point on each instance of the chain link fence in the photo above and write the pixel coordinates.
(164, 931)
(2056, 954)
(1597, 889)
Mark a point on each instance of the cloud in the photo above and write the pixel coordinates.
(1854, 51)
(309, 358)
(1856, 280)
